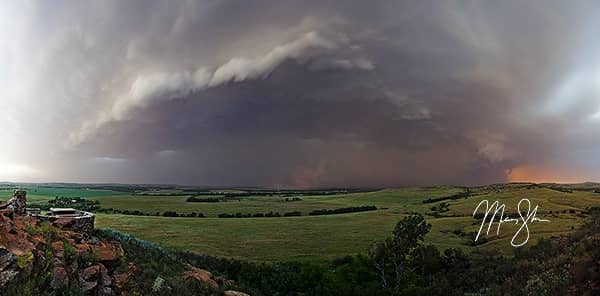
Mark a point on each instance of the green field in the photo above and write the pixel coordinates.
(411, 199)
(40, 193)
(331, 236)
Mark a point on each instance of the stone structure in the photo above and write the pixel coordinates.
(84, 223)
(18, 202)
(70, 219)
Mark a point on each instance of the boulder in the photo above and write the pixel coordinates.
(95, 278)
(60, 278)
(8, 269)
(160, 285)
(203, 276)
(6, 258)
(88, 278)
(109, 253)
(121, 278)
(222, 281)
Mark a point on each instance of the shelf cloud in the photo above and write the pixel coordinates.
(150, 88)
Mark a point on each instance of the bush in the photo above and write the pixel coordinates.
(291, 214)
(343, 210)
(170, 214)
(460, 195)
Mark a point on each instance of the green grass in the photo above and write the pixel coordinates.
(337, 235)
(326, 237)
(404, 200)
(41, 193)
(263, 239)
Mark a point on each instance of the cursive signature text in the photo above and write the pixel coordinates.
(527, 216)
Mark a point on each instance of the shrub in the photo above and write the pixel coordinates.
(342, 210)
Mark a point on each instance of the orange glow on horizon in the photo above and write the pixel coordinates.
(544, 175)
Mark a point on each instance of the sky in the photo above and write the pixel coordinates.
(300, 93)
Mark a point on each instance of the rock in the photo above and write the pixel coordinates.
(202, 276)
(234, 293)
(109, 253)
(14, 237)
(6, 258)
(106, 291)
(222, 281)
(56, 262)
(95, 276)
(88, 278)
(7, 276)
(8, 269)
(58, 248)
(121, 279)
(159, 285)
(60, 278)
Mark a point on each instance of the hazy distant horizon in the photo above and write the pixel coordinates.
(284, 188)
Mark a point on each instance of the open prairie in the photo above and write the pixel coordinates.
(310, 237)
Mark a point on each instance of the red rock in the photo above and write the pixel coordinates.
(109, 252)
(83, 248)
(95, 276)
(58, 248)
(60, 278)
(202, 276)
(90, 272)
(88, 278)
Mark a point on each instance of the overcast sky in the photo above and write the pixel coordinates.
(300, 93)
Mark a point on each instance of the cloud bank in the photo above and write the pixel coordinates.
(299, 93)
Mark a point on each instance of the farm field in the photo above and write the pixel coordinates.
(328, 236)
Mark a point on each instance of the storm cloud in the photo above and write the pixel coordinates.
(300, 93)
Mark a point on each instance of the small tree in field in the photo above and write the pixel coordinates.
(393, 252)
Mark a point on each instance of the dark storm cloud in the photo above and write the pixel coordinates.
(304, 93)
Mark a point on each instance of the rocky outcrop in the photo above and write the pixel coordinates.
(62, 255)
(25, 245)
(202, 276)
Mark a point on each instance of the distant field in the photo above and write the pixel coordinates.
(45, 193)
(411, 200)
(326, 237)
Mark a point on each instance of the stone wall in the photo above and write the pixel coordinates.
(83, 224)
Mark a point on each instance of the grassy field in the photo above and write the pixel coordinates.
(404, 200)
(332, 236)
(40, 193)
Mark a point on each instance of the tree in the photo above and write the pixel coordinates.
(379, 253)
(407, 235)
